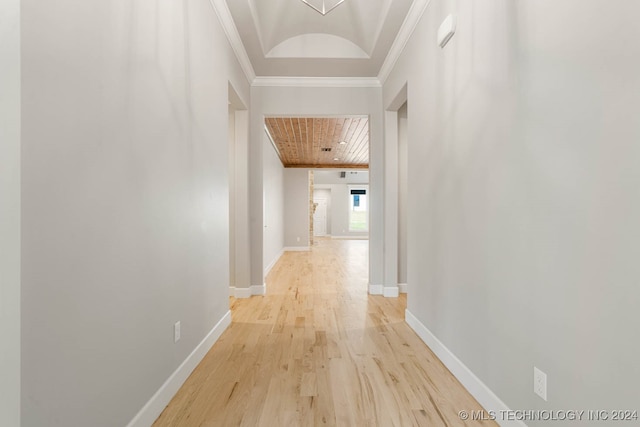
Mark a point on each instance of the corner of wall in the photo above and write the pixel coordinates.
(10, 214)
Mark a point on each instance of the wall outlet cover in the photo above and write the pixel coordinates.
(540, 383)
(176, 332)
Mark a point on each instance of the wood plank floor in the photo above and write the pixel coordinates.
(318, 350)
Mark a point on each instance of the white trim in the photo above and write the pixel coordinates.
(242, 292)
(402, 287)
(259, 289)
(416, 11)
(317, 81)
(273, 143)
(297, 248)
(351, 237)
(230, 29)
(154, 407)
(275, 260)
(248, 292)
(399, 100)
(469, 380)
(376, 289)
(390, 292)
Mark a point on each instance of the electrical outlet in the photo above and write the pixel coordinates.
(176, 332)
(540, 383)
(298, 239)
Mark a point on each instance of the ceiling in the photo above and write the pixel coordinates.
(321, 142)
(287, 38)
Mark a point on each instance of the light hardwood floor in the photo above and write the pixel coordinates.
(317, 350)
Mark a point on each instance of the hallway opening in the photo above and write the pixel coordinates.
(315, 182)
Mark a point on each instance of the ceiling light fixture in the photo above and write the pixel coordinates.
(342, 142)
(321, 7)
(336, 159)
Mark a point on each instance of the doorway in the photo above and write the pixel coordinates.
(403, 183)
(238, 166)
(320, 217)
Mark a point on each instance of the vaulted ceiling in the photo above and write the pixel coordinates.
(290, 38)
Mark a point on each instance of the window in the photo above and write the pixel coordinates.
(358, 210)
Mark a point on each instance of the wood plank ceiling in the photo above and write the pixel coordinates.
(321, 142)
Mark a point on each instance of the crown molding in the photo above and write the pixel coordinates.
(317, 81)
(226, 20)
(416, 11)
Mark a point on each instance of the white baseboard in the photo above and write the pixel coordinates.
(469, 380)
(376, 289)
(241, 292)
(390, 291)
(351, 237)
(259, 289)
(275, 260)
(403, 288)
(248, 292)
(297, 248)
(154, 407)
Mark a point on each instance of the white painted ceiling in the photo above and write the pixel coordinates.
(288, 38)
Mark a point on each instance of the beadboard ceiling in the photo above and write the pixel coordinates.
(321, 142)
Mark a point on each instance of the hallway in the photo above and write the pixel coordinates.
(318, 350)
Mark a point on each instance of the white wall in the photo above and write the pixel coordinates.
(125, 200)
(523, 174)
(10, 213)
(332, 176)
(296, 208)
(273, 205)
(319, 101)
